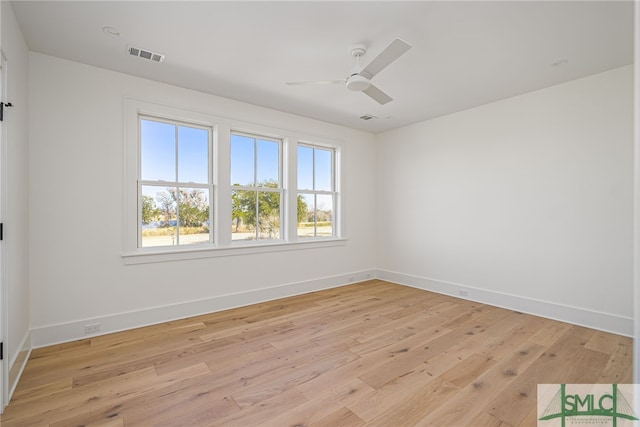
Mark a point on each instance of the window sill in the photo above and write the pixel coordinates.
(165, 254)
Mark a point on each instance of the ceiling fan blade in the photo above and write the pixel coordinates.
(377, 95)
(386, 57)
(321, 82)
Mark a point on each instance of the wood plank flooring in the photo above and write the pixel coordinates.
(368, 354)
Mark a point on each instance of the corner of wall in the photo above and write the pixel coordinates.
(564, 313)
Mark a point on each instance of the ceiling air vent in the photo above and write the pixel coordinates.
(145, 54)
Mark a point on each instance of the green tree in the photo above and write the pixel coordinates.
(245, 204)
(258, 210)
(189, 208)
(149, 210)
(167, 207)
(239, 208)
(302, 208)
(323, 216)
(193, 208)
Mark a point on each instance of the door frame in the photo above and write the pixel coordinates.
(4, 364)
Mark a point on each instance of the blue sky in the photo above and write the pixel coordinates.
(243, 159)
(158, 148)
(159, 153)
(322, 169)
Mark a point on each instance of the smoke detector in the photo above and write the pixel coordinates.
(145, 54)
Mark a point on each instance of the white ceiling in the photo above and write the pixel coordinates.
(464, 53)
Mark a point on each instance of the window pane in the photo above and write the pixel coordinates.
(305, 168)
(324, 170)
(193, 215)
(268, 215)
(157, 151)
(193, 155)
(158, 216)
(268, 164)
(243, 215)
(242, 160)
(306, 215)
(324, 215)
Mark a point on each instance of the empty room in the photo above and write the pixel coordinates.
(236, 213)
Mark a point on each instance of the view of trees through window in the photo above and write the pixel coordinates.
(256, 195)
(175, 188)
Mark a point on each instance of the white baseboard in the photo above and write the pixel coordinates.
(64, 332)
(578, 316)
(55, 334)
(17, 363)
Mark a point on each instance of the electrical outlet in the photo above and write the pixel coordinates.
(350, 279)
(92, 328)
(463, 293)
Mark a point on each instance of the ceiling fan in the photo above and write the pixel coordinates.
(360, 78)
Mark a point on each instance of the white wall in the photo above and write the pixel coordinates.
(526, 202)
(16, 209)
(76, 195)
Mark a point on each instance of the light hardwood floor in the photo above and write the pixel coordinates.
(372, 353)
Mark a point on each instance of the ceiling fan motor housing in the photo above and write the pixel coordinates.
(358, 82)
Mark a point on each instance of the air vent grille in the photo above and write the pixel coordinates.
(145, 54)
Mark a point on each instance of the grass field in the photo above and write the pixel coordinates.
(166, 236)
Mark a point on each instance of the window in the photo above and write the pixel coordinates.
(256, 190)
(175, 190)
(316, 191)
(199, 185)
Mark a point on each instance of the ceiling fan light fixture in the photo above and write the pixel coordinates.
(358, 83)
(360, 78)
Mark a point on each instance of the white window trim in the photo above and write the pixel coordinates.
(221, 151)
(198, 252)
